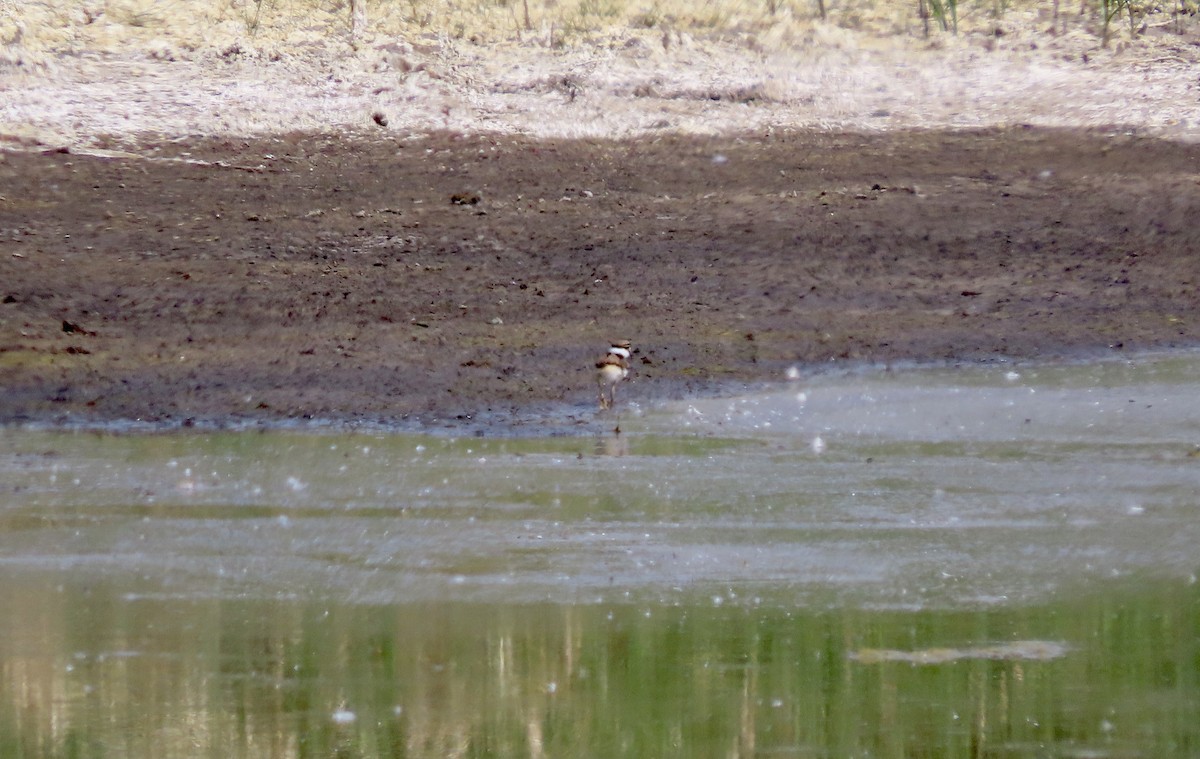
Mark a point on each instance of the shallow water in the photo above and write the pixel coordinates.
(992, 561)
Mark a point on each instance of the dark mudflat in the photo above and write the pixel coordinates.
(440, 278)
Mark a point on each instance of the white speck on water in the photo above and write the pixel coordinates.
(295, 485)
(818, 445)
(792, 373)
(419, 449)
(344, 717)
(551, 687)
(1012, 376)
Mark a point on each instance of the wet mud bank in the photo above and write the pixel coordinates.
(440, 279)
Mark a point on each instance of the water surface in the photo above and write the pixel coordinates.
(997, 561)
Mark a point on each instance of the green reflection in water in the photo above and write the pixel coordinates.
(90, 670)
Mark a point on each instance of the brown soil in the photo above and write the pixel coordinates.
(443, 278)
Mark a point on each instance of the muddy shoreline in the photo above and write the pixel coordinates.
(450, 280)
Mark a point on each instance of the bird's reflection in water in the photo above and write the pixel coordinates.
(612, 444)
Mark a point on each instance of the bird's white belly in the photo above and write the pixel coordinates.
(612, 374)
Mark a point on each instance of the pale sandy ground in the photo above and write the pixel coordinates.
(107, 74)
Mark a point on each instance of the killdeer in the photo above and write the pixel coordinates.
(610, 370)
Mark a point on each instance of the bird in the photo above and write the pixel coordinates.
(610, 370)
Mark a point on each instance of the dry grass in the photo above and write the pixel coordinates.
(188, 26)
(74, 70)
